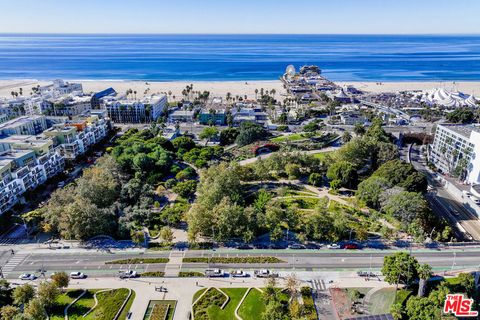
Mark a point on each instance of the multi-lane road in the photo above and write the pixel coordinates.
(94, 263)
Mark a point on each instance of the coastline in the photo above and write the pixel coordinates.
(240, 88)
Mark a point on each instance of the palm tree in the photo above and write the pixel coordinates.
(135, 93)
(292, 284)
(256, 93)
(424, 272)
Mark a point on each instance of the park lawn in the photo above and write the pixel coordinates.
(125, 310)
(109, 302)
(197, 294)
(381, 301)
(253, 306)
(290, 137)
(322, 156)
(302, 203)
(235, 294)
(85, 303)
(62, 301)
(402, 296)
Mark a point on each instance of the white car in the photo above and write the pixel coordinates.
(239, 274)
(77, 275)
(27, 276)
(129, 274)
(334, 246)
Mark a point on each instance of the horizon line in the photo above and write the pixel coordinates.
(238, 34)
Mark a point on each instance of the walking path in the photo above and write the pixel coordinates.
(174, 265)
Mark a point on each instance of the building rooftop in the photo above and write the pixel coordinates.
(19, 121)
(464, 130)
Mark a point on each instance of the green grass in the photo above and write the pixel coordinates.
(381, 301)
(302, 203)
(290, 137)
(125, 310)
(253, 306)
(213, 297)
(402, 296)
(322, 156)
(77, 310)
(197, 294)
(138, 260)
(189, 274)
(232, 260)
(171, 310)
(62, 301)
(153, 274)
(235, 294)
(109, 302)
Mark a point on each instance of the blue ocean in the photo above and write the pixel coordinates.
(238, 57)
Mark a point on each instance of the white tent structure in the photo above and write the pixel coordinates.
(449, 99)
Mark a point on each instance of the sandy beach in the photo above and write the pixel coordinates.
(216, 88)
(240, 88)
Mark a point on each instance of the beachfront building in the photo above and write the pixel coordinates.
(145, 110)
(96, 99)
(253, 114)
(25, 125)
(60, 88)
(181, 116)
(216, 117)
(456, 150)
(23, 170)
(68, 106)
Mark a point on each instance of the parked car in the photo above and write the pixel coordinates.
(312, 245)
(128, 274)
(351, 246)
(334, 246)
(239, 274)
(297, 246)
(27, 276)
(277, 246)
(366, 274)
(244, 247)
(265, 273)
(77, 275)
(261, 246)
(214, 273)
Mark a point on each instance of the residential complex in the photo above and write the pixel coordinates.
(145, 110)
(456, 149)
(30, 155)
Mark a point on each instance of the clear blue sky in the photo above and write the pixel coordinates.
(241, 16)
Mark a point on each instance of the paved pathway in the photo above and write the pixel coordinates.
(172, 268)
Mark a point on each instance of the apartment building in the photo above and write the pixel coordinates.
(145, 110)
(24, 170)
(67, 106)
(455, 150)
(60, 87)
(25, 125)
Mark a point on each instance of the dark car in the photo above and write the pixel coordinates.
(261, 246)
(278, 246)
(244, 247)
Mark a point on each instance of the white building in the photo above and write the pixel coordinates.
(23, 170)
(181, 116)
(25, 125)
(60, 88)
(144, 110)
(66, 106)
(456, 151)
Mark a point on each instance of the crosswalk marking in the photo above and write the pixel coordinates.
(13, 263)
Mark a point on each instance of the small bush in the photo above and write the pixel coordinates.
(233, 260)
(138, 260)
(153, 274)
(189, 274)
